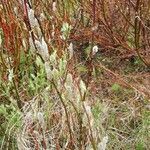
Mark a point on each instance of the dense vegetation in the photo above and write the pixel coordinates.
(74, 74)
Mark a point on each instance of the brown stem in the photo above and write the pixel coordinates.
(91, 132)
(137, 29)
(65, 108)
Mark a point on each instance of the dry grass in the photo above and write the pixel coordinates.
(57, 91)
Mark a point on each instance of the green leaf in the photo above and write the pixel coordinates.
(140, 146)
(116, 87)
(3, 110)
(82, 69)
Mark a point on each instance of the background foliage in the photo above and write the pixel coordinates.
(74, 74)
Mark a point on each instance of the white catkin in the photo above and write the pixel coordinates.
(24, 43)
(70, 48)
(32, 19)
(89, 113)
(54, 6)
(94, 50)
(48, 71)
(42, 49)
(1, 40)
(42, 17)
(53, 31)
(45, 49)
(82, 87)
(102, 145)
(28, 119)
(40, 117)
(16, 11)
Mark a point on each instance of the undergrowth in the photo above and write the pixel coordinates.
(74, 75)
